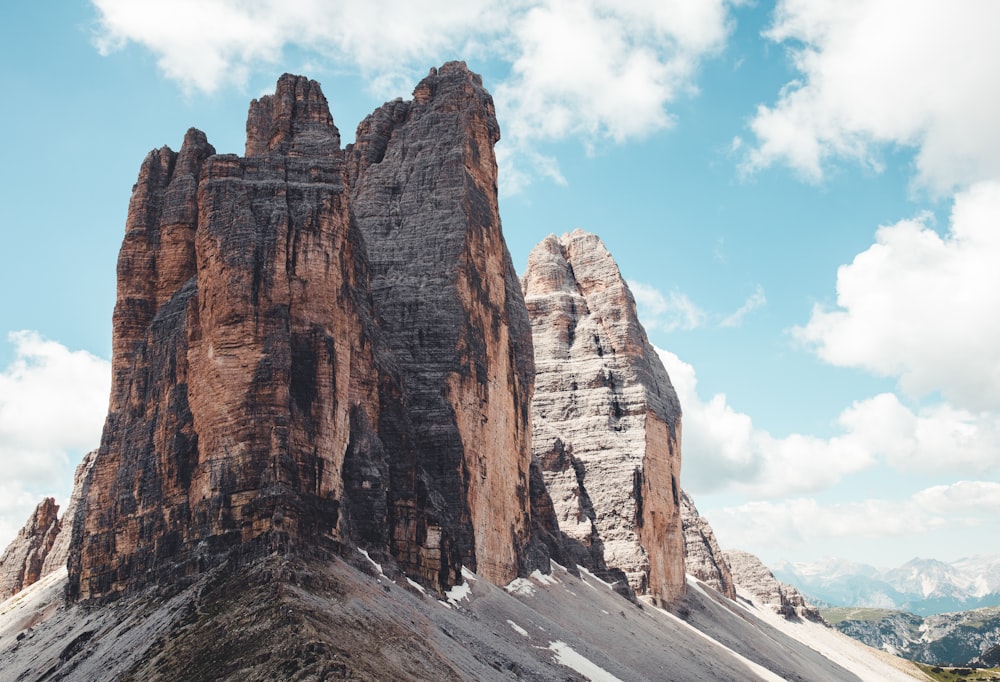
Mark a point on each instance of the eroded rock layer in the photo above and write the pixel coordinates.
(606, 418)
(257, 405)
(750, 573)
(23, 560)
(702, 556)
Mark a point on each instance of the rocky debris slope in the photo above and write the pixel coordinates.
(702, 556)
(288, 619)
(22, 563)
(606, 418)
(750, 574)
(313, 346)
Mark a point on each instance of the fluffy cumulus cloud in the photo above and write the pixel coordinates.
(922, 307)
(916, 73)
(724, 451)
(52, 407)
(596, 69)
(789, 523)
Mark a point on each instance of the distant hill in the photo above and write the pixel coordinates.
(951, 639)
(921, 586)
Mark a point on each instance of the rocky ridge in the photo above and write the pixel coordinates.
(750, 574)
(606, 419)
(703, 558)
(23, 561)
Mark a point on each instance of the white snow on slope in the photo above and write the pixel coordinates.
(565, 655)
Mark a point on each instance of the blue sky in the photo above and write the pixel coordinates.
(804, 194)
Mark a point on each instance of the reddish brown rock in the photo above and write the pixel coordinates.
(702, 556)
(59, 553)
(606, 417)
(257, 403)
(22, 562)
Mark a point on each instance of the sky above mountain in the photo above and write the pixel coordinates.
(804, 196)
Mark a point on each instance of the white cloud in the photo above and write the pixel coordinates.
(668, 312)
(792, 523)
(53, 402)
(595, 69)
(916, 73)
(922, 307)
(724, 451)
(756, 300)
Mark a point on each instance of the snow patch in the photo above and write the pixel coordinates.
(417, 586)
(540, 577)
(566, 656)
(469, 575)
(590, 575)
(374, 563)
(517, 628)
(522, 587)
(458, 593)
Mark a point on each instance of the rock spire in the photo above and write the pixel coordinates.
(606, 418)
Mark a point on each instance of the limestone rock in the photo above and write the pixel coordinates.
(750, 574)
(424, 196)
(59, 553)
(702, 556)
(278, 386)
(606, 418)
(22, 562)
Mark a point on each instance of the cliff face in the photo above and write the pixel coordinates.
(258, 403)
(606, 418)
(424, 196)
(22, 562)
(702, 556)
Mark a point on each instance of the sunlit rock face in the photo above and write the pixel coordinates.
(606, 418)
(750, 574)
(315, 346)
(22, 562)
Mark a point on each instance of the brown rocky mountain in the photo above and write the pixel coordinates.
(702, 556)
(258, 401)
(318, 459)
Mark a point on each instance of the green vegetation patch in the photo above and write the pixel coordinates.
(840, 614)
(940, 674)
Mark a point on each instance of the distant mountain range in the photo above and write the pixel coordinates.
(921, 586)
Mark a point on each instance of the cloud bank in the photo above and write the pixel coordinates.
(596, 70)
(53, 402)
(878, 73)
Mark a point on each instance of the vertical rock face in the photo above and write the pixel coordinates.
(606, 417)
(272, 389)
(702, 556)
(22, 562)
(750, 574)
(424, 181)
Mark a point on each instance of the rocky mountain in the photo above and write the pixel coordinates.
(315, 345)
(703, 558)
(920, 586)
(22, 562)
(752, 576)
(950, 639)
(606, 418)
(323, 457)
